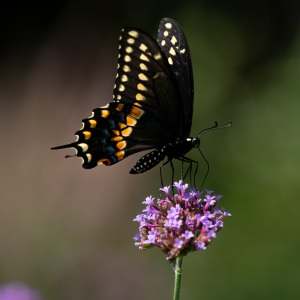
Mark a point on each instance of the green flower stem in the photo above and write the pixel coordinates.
(178, 273)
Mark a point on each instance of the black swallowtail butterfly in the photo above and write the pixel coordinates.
(152, 107)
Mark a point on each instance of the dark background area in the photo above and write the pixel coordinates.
(67, 231)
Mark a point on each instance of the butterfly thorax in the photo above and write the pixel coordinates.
(181, 147)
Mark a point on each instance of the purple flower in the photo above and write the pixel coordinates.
(151, 236)
(137, 237)
(187, 235)
(166, 190)
(171, 223)
(178, 243)
(18, 291)
(180, 224)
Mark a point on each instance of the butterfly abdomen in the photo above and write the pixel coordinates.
(149, 161)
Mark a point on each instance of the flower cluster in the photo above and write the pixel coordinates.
(18, 291)
(180, 224)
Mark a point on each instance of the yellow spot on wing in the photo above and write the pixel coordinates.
(120, 155)
(143, 67)
(136, 112)
(104, 161)
(130, 121)
(121, 145)
(139, 97)
(87, 134)
(128, 49)
(143, 47)
(127, 58)
(116, 139)
(93, 123)
(83, 146)
(127, 131)
(120, 106)
(141, 87)
(144, 57)
(173, 40)
(133, 33)
(104, 113)
(130, 41)
(170, 60)
(89, 157)
(143, 77)
(168, 25)
(172, 51)
(122, 125)
(124, 78)
(126, 68)
(157, 56)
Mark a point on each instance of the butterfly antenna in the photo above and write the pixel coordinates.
(216, 126)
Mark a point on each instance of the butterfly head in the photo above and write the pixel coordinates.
(194, 142)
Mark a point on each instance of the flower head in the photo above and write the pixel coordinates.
(180, 224)
(18, 291)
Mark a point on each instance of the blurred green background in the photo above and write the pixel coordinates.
(68, 232)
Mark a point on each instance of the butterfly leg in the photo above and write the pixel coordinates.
(173, 172)
(181, 171)
(161, 177)
(189, 169)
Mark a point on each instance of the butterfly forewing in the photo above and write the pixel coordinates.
(144, 78)
(173, 43)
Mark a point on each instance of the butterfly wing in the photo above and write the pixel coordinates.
(173, 43)
(144, 78)
(147, 109)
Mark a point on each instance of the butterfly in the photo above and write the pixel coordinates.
(152, 104)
